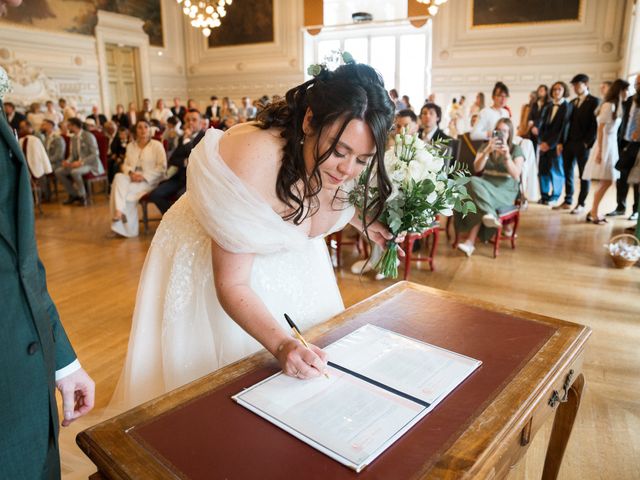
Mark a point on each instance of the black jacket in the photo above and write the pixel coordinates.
(179, 157)
(438, 136)
(122, 120)
(179, 112)
(626, 111)
(583, 127)
(536, 115)
(17, 118)
(555, 131)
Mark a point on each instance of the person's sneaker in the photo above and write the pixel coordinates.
(543, 201)
(578, 210)
(490, 221)
(466, 248)
(633, 217)
(380, 276)
(361, 266)
(562, 206)
(71, 200)
(615, 213)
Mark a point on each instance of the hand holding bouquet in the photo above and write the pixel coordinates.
(423, 186)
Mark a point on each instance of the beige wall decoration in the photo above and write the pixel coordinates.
(245, 23)
(80, 16)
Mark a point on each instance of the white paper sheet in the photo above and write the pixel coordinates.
(353, 420)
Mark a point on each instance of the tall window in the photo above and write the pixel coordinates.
(399, 53)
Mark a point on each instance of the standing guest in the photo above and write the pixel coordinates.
(604, 88)
(500, 162)
(248, 111)
(34, 152)
(478, 104)
(227, 110)
(35, 116)
(171, 134)
(580, 139)
(178, 109)
(629, 147)
(430, 116)
(120, 117)
(604, 155)
(212, 112)
(145, 113)
(489, 116)
(13, 116)
(144, 166)
(67, 110)
(405, 99)
(53, 143)
(132, 115)
(83, 158)
(192, 105)
(161, 113)
(400, 105)
(97, 117)
(535, 115)
(523, 125)
(473, 120)
(171, 189)
(553, 131)
(35, 353)
(117, 151)
(51, 113)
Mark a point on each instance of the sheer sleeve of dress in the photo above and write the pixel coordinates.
(235, 216)
(605, 115)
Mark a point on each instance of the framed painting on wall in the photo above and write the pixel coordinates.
(500, 13)
(245, 23)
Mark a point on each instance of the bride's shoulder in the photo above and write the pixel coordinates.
(252, 153)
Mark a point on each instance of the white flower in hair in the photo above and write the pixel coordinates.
(5, 83)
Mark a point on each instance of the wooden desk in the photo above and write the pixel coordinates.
(532, 369)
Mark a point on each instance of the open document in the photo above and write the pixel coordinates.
(380, 384)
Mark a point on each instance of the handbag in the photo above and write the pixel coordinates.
(628, 157)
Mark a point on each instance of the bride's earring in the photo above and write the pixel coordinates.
(302, 140)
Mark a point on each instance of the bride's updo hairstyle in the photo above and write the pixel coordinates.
(354, 91)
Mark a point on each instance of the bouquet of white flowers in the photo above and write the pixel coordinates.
(423, 186)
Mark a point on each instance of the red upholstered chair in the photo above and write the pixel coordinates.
(337, 240)
(431, 232)
(506, 215)
(90, 178)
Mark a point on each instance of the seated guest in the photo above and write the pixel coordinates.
(13, 116)
(192, 105)
(430, 116)
(405, 100)
(489, 116)
(228, 109)
(172, 188)
(248, 111)
(117, 151)
(144, 166)
(132, 115)
(145, 113)
(52, 114)
(171, 134)
(212, 113)
(83, 158)
(554, 125)
(161, 113)
(120, 117)
(110, 129)
(400, 105)
(406, 122)
(64, 133)
(500, 162)
(101, 138)
(178, 110)
(68, 111)
(35, 116)
(34, 153)
(53, 143)
(97, 117)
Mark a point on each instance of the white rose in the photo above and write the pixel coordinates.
(418, 170)
(440, 186)
(400, 172)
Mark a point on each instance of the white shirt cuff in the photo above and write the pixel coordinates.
(68, 370)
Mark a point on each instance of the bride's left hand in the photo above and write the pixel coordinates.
(380, 234)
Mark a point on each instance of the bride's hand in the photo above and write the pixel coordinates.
(298, 361)
(380, 235)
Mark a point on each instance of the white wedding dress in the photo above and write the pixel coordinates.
(180, 332)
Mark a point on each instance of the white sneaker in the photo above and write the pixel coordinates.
(490, 221)
(380, 276)
(361, 266)
(466, 248)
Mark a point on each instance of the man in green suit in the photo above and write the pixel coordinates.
(35, 353)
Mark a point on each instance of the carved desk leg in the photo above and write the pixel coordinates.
(562, 426)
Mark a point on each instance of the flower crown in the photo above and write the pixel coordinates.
(332, 61)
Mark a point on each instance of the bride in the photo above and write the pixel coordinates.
(245, 243)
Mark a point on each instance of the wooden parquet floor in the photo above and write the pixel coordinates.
(559, 269)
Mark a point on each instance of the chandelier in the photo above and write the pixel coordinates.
(204, 14)
(432, 5)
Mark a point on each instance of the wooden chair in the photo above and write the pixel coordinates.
(144, 205)
(407, 246)
(337, 240)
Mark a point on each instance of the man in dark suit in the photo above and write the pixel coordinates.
(629, 146)
(13, 116)
(553, 131)
(97, 117)
(178, 110)
(35, 353)
(172, 188)
(580, 139)
(430, 117)
(212, 113)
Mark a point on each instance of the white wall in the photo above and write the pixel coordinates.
(251, 70)
(467, 60)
